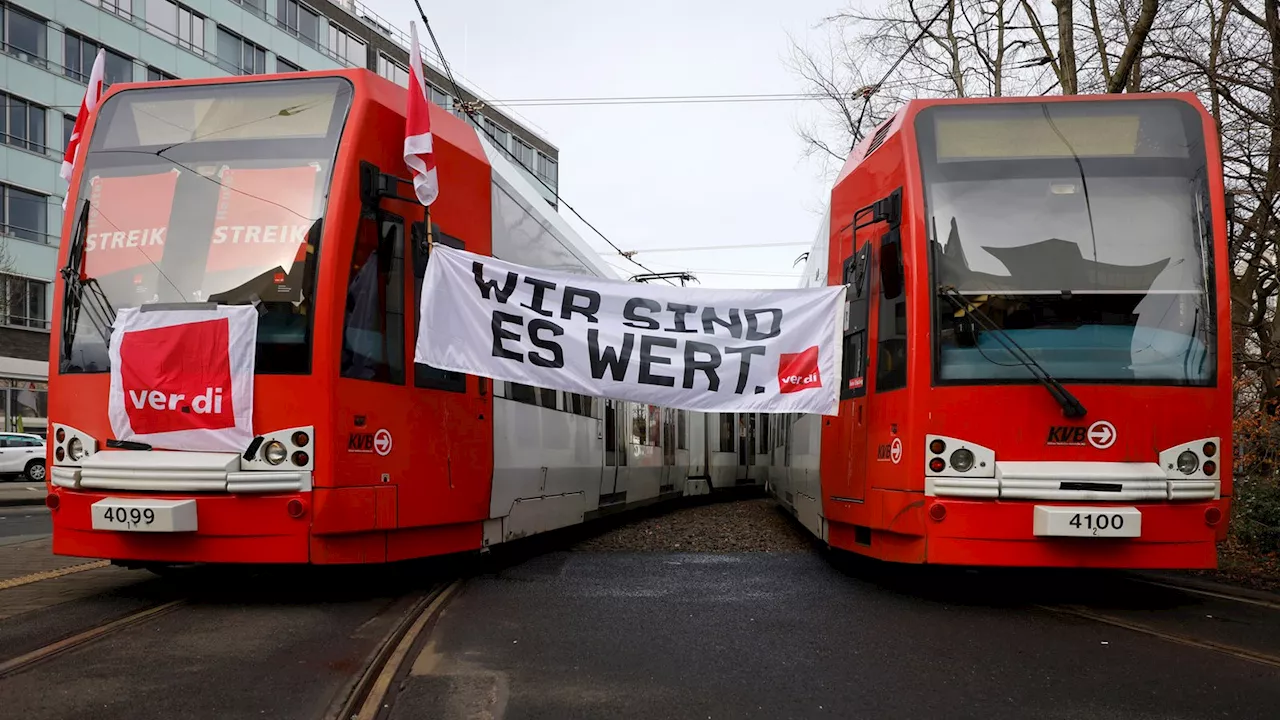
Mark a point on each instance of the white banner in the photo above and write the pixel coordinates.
(772, 351)
(183, 379)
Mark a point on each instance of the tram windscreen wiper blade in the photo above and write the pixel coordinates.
(1071, 406)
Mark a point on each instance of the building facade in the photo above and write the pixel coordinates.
(48, 51)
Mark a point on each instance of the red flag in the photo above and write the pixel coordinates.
(91, 97)
(417, 129)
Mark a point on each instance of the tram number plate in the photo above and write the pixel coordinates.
(144, 515)
(1110, 522)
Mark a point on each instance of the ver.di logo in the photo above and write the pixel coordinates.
(799, 371)
(177, 378)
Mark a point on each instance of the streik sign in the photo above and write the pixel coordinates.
(772, 351)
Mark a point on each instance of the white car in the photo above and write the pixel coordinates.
(22, 454)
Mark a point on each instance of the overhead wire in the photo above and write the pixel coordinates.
(873, 89)
(479, 124)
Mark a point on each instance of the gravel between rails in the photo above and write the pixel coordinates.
(756, 525)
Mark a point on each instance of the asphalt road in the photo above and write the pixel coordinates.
(25, 521)
(267, 644)
(580, 634)
(795, 635)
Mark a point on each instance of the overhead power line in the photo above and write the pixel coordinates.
(744, 246)
(479, 124)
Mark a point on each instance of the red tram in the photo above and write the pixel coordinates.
(286, 193)
(1037, 361)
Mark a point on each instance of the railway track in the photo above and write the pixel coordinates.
(93, 634)
(372, 692)
(1179, 636)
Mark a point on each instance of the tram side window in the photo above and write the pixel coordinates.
(579, 404)
(522, 393)
(373, 331)
(891, 359)
(682, 429)
(727, 430)
(547, 398)
(425, 376)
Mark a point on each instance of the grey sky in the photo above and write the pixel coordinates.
(655, 176)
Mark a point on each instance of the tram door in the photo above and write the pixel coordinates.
(851, 484)
(615, 453)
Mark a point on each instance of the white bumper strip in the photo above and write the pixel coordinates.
(1074, 481)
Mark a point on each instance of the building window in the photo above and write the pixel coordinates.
(393, 71)
(79, 55)
(24, 406)
(22, 302)
(176, 24)
(547, 170)
(123, 8)
(23, 123)
(347, 48)
(25, 36)
(524, 153)
(240, 56)
(284, 66)
(299, 20)
(24, 214)
(257, 7)
(438, 96)
(497, 134)
(156, 75)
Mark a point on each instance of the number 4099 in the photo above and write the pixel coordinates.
(131, 516)
(1097, 522)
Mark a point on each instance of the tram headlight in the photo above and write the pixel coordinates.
(1188, 462)
(75, 449)
(962, 460)
(274, 452)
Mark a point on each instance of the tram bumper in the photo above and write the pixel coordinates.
(1162, 535)
(265, 528)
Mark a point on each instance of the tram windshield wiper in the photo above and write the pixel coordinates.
(1071, 406)
(82, 293)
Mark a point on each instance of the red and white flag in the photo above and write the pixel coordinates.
(417, 129)
(88, 105)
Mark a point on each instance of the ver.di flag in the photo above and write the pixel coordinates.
(771, 351)
(184, 378)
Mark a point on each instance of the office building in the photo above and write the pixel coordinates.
(48, 51)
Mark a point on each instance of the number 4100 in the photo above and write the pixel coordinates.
(1097, 522)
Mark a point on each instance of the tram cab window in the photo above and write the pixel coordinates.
(373, 329)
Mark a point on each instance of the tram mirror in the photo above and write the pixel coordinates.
(891, 265)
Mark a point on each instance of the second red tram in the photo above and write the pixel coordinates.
(1037, 362)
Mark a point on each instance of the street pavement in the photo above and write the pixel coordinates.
(21, 493)
(796, 635)
(577, 633)
(24, 523)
